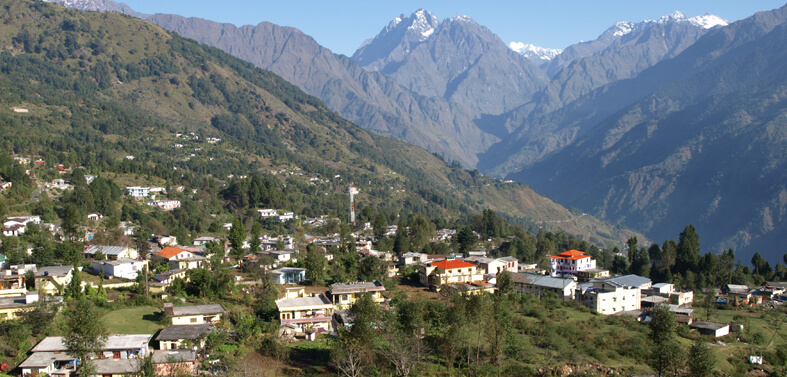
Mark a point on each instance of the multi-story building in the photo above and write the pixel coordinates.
(449, 271)
(615, 294)
(346, 294)
(112, 252)
(138, 192)
(305, 312)
(569, 263)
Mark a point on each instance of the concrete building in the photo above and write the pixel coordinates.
(112, 252)
(569, 263)
(138, 192)
(177, 337)
(50, 280)
(540, 284)
(178, 258)
(615, 294)
(120, 268)
(449, 271)
(305, 313)
(195, 314)
(345, 295)
(288, 275)
(118, 355)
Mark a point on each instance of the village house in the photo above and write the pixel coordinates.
(163, 280)
(175, 363)
(51, 280)
(112, 252)
(50, 356)
(119, 268)
(13, 279)
(166, 205)
(15, 226)
(287, 275)
(94, 216)
(412, 259)
(177, 337)
(613, 295)
(177, 258)
(267, 212)
(280, 256)
(201, 241)
(491, 266)
(539, 285)
(138, 192)
(11, 307)
(165, 240)
(570, 263)
(711, 328)
(589, 274)
(449, 271)
(344, 295)
(667, 290)
(5, 185)
(305, 312)
(195, 314)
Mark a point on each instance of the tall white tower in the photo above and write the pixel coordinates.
(352, 192)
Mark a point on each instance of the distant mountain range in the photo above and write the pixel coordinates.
(654, 124)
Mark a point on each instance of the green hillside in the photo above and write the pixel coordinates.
(102, 86)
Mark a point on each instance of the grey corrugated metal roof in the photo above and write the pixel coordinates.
(45, 359)
(177, 332)
(356, 287)
(627, 280)
(53, 271)
(542, 280)
(287, 270)
(107, 250)
(116, 366)
(295, 302)
(198, 310)
(114, 342)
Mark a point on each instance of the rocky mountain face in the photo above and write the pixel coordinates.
(369, 99)
(559, 113)
(700, 140)
(456, 59)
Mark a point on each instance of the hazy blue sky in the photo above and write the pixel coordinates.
(343, 25)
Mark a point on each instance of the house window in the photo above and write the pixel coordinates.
(116, 354)
(193, 320)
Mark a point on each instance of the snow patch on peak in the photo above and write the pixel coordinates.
(622, 28)
(461, 17)
(532, 52)
(708, 21)
(675, 16)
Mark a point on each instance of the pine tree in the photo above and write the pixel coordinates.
(688, 253)
(702, 360)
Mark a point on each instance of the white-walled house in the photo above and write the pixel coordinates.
(121, 268)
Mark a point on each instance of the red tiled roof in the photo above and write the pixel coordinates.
(571, 255)
(169, 252)
(451, 264)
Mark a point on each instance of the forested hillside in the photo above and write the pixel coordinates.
(100, 87)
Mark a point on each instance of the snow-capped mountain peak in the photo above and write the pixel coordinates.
(708, 21)
(536, 54)
(424, 23)
(622, 28)
(675, 16)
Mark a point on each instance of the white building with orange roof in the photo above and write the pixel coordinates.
(569, 263)
(178, 258)
(449, 271)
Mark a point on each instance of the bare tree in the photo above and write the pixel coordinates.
(404, 351)
(350, 358)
